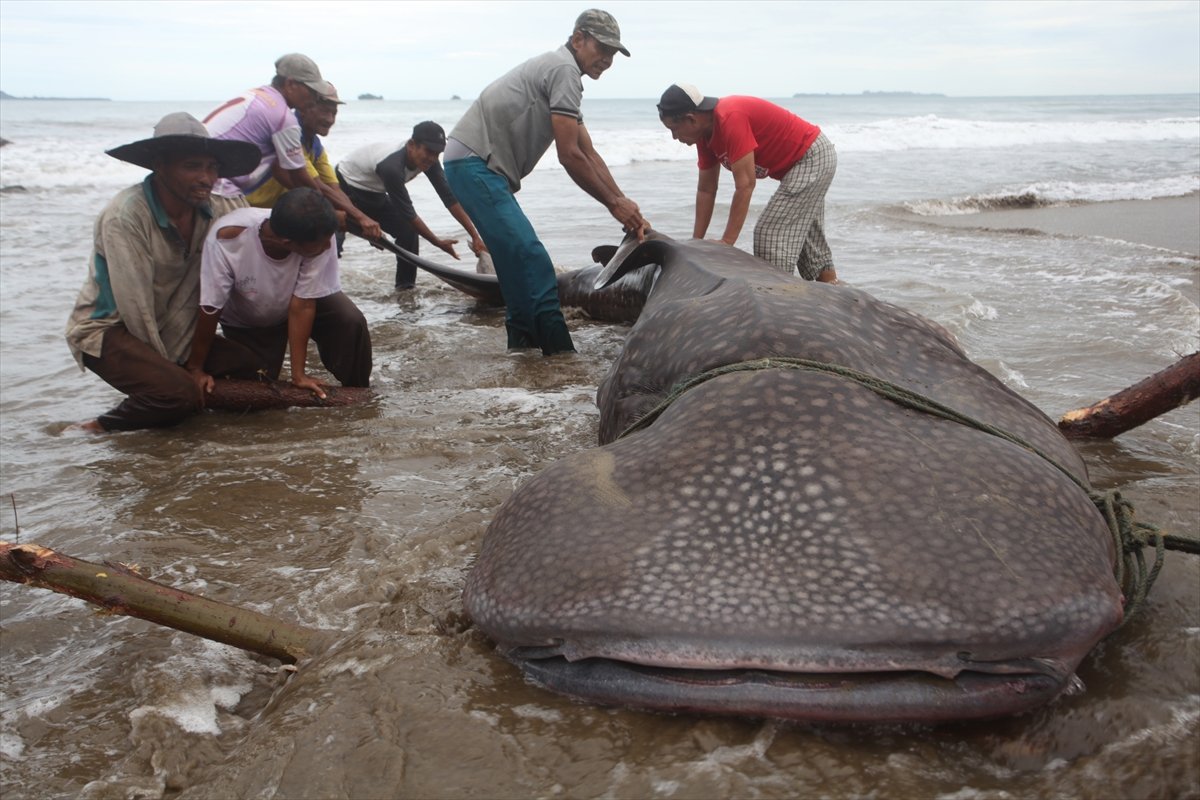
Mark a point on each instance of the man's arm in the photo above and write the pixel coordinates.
(391, 170)
(459, 213)
(442, 244)
(332, 192)
(301, 313)
(706, 199)
(743, 189)
(571, 139)
(437, 178)
(206, 331)
(598, 164)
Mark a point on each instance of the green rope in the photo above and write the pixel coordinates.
(1130, 537)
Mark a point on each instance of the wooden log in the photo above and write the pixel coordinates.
(1175, 386)
(120, 590)
(231, 394)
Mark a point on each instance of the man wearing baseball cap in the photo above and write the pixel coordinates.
(316, 120)
(756, 139)
(500, 140)
(133, 319)
(263, 117)
(374, 178)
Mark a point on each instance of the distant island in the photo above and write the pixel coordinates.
(369, 96)
(7, 96)
(455, 97)
(868, 94)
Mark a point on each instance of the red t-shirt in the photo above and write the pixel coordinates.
(741, 124)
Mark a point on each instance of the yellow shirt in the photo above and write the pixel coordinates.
(318, 167)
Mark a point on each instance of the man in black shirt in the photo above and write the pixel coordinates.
(374, 178)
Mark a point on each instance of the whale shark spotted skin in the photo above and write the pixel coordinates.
(792, 542)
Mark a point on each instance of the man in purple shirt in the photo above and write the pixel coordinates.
(263, 117)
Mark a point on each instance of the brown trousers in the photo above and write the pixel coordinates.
(339, 329)
(160, 393)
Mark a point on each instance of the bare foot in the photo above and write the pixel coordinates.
(87, 426)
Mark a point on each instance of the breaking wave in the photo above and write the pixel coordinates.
(1058, 193)
(942, 133)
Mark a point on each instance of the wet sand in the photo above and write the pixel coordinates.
(1169, 222)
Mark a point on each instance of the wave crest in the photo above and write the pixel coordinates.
(1056, 194)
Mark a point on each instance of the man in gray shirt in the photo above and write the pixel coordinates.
(499, 141)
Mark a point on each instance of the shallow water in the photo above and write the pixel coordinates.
(365, 522)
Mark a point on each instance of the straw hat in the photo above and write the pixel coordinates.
(181, 132)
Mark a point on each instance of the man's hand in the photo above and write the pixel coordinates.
(203, 381)
(305, 382)
(447, 245)
(369, 227)
(477, 246)
(626, 212)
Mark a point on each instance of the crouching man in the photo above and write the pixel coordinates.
(270, 277)
(133, 319)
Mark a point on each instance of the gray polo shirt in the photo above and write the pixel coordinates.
(509, 126)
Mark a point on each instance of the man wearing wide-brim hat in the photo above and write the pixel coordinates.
(134, 317)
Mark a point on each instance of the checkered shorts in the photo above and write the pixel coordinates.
(790, 232)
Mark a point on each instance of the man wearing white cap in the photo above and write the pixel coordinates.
(756, 139)
(263, 117)
(133, 319)
(500, 140)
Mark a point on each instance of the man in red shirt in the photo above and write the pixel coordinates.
(756, 139)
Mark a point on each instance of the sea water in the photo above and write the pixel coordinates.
(366, 521)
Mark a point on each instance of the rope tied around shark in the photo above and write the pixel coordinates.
(1130, 536)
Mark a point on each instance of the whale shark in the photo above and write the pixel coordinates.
(805, 503)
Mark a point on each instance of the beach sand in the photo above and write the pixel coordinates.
(1169, 222)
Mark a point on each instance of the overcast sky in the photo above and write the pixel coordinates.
(166, 50)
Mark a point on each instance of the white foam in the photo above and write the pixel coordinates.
(195, 711)
(530, 711)
(356, 666)
(981, 310)
(11, 746)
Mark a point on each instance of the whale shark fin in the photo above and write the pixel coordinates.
(630, 255)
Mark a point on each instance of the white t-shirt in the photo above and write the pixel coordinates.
(251, 289)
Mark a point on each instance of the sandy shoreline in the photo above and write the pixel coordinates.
(1169, 222)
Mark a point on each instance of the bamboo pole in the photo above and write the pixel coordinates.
(1168, 389)
(120, 590)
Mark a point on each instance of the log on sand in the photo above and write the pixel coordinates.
(120, 590)
(231, 394)
(1175, 386)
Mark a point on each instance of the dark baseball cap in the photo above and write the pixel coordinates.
(684, 98)
(602, 27)
(431, 135)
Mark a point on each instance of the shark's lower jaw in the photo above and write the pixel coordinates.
(866, 697)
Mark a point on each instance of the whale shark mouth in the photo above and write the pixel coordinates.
(875, 697)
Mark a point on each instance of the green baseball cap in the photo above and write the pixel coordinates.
(602, 27)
